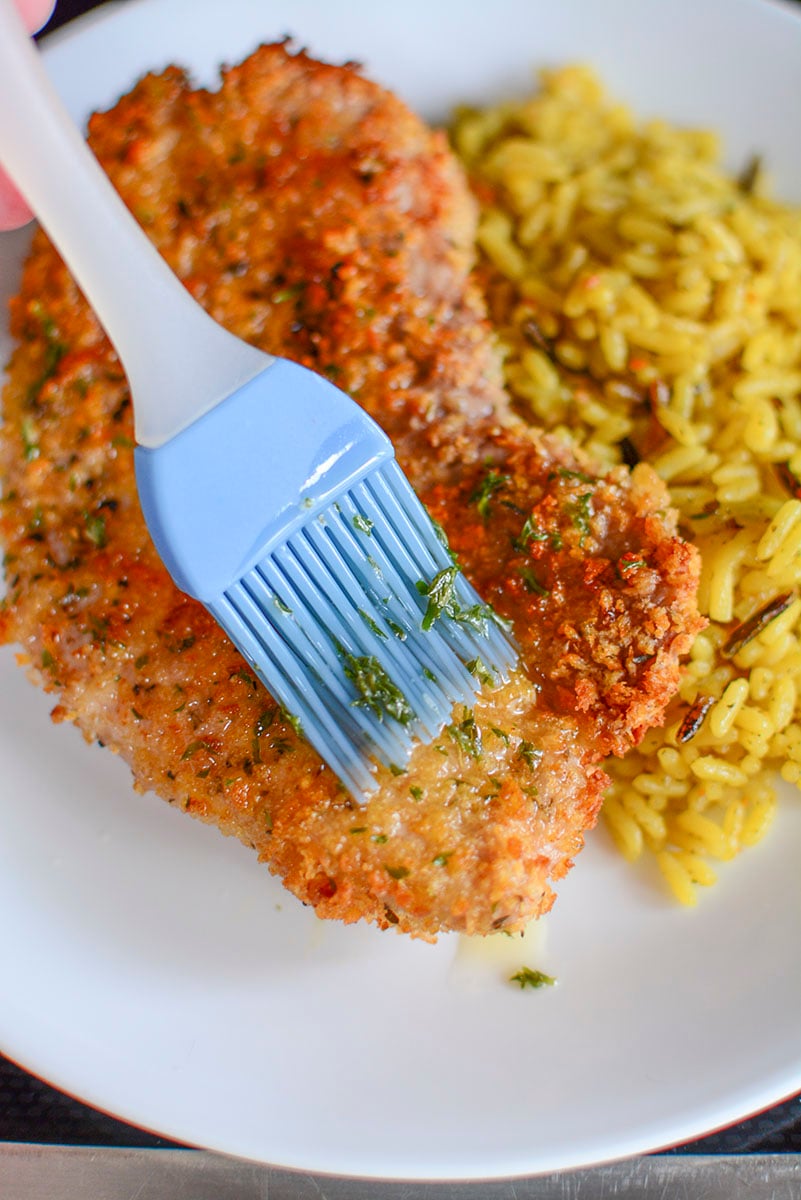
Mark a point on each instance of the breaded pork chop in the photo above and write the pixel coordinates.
(313, 214)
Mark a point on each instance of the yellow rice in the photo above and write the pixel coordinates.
(647, 300)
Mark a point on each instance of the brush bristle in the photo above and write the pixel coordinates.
(362, 628)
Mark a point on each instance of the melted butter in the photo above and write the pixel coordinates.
(500, 955)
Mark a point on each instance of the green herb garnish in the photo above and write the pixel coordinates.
(193, 747)
(533, 979)
(376, 690)
(264, 722)
(467, 736)
(281, 746)
(530, 532)
(246, 677)
(530, 754)
(482, 672)
(54, 352)
(580, 475)
(581, 514)
(440, 593)
(363, 524)
(442, 601)
(371, 624)
(262, 725)
(629, 562)
(532, 583)
(30, 439)
(292, 720)
(96, 530)
(492, 483)
(478, 617)
(396, 872)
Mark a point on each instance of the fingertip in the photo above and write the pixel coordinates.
(14, 212)
(35, 13)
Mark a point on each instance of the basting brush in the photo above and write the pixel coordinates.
(270, 495)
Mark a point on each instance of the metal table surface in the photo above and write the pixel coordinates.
(36, 1173)
(54, 1146)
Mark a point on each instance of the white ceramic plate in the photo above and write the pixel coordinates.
(155, 970)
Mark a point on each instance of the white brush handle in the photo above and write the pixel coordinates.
(179, 361)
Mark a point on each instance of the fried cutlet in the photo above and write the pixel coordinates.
(309, 211)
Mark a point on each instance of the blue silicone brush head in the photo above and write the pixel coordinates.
(284, 511)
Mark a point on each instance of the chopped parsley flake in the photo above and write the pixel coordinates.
(96, 530)
(376, 690)
(416, 792)
(54, 352)
(396, 872)
(533, 979)
(530, 532)
(581, 514)
(440, 595)
(264, 722)
(492, 483)
(442, 601)
(292, 720)
(193, 748)
(467, 736)
(30, 439)
(281, 746)
(580, 475)
(371, 624)
(532, 583)
(629, 562)
(241, 673)
(482, 672)
(363, 524)
(530, 753)
(478, 617)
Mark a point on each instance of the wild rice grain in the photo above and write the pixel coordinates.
(667, 300)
